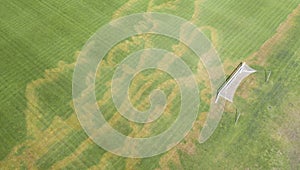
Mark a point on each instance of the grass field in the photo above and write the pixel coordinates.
(40, 41)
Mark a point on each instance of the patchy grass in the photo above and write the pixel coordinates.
(39, 129)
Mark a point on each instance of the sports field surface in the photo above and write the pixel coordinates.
(41, 40)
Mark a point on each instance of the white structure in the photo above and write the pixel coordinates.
(229, 87)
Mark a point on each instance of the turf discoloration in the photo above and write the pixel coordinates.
(41, 131)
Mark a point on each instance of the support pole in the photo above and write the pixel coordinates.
(238, 116)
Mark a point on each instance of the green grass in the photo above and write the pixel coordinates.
(244, 25)
(61, 149)
(36, 35)
(251, 143)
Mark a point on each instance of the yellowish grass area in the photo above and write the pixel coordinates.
(39, 141)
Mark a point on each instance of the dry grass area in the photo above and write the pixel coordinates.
(55, 140)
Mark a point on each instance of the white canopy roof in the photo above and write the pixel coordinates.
(229, 87)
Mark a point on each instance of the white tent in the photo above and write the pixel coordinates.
(229, 87)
